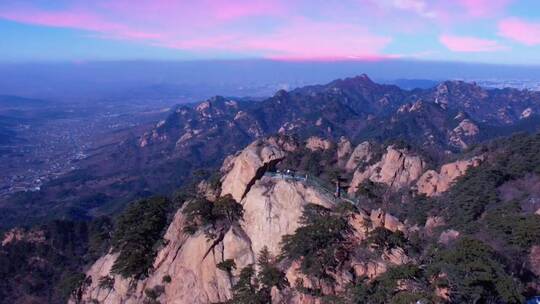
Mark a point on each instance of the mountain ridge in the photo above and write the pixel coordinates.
(454, 115)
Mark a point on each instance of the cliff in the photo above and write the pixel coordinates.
(186, 270)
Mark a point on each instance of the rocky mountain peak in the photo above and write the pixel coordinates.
(357, 82)
(251, 163)
(216, 105)
(281, 94)
(273, 207)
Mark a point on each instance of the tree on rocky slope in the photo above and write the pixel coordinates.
(137, 233)
(474, 272)
(400, 285)
(212, 216)
(254, 287)
(318, 243)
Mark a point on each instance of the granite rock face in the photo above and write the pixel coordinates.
(433, 183)
(251, 164)
(397, 168)
(361, 154)
(273, 208)
(316, 143)
(189, 261)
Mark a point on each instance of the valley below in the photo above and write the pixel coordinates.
(47, 139)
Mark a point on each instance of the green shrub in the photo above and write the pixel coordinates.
(371, 190)
(106, 282)
(384, 239)
(246, 289)
(72, 285)
(227, 265)
(198, 213)
(385, 288)
(166, 279)
(152, 294)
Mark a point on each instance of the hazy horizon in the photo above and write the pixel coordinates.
(204, 78)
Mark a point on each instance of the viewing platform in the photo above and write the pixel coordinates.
(336, 195)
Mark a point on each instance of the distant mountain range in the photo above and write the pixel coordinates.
(440, 120)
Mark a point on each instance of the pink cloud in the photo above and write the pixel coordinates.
(484, 8)
(302, 39)
(446, 12)
(79, 20)
(214, 28)
(197, 12)
(470, 44)
(521, 31)
(226, 9)
(308, 39)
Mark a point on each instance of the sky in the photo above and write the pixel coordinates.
(487, 31)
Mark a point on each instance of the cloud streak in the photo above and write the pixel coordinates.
(81, 21)
(302, 39)
(466, 44)
(214, 25)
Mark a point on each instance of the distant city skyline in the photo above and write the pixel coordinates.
(487, 31)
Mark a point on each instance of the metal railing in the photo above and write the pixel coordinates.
(315, 182)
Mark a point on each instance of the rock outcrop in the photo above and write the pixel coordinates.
(344, 149)
(251, 163)
(433, 183)
(361, 154)
(190, 263)
(273, 206)
(397, 168)
(272, 209)
(316, 143)
(20, 234)
(379, 218)
(462, 134)
(433, 223)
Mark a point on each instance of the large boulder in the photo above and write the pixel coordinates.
(315, 143)
(433, 183)
(462, 134)
(397, 168)
(251, 164)
(380, 218)
(361, 154)
(344, 149)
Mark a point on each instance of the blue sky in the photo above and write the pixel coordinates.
(491, 31)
